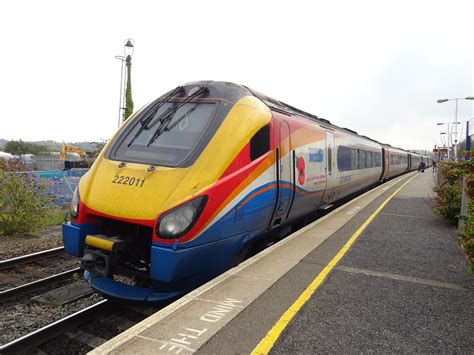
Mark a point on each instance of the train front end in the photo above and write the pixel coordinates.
(140, 217)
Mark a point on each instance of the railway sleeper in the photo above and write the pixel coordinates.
(7, 279)
(31, 270)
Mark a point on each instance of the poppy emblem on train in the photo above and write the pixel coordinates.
(300, 165)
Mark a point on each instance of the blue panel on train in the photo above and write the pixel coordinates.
(316, 155)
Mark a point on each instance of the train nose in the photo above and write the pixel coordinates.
(96, 262)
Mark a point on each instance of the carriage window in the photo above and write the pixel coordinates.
(260, 143)
(353, 159)
(361, 160)
(397, 159)
(344, 161)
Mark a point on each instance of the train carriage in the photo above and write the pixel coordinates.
(359, 163)
(397, 160)
(189, 181)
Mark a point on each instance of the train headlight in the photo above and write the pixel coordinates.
(181, 219)
(75, 204)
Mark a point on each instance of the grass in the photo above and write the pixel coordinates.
(55, 217)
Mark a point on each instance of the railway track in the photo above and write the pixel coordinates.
(37, 278)
(68, 327)
(29, 258)
(42, 335)
(37, 284)
(55, 336)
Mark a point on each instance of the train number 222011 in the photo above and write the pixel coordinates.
(128, 180)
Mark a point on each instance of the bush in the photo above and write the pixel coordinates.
(23, 204)
(468, 232)
(448, 203)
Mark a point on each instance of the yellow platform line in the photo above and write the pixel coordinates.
(272, 336)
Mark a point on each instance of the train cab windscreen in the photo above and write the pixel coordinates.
(165, 137)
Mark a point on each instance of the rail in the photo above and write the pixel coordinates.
(34, 285)
(42, 335)
(9, 263)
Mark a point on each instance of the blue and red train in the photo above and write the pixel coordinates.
(193, 178)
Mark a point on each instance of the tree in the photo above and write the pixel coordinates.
(15, 147)
(128, 91)
(19, 147)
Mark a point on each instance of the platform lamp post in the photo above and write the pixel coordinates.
(440, 101)
(449, 135)
(441, 134)
(126, 60)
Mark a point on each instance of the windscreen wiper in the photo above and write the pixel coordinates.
(145, 121)
(170, 111)
(152, 111)
(169, 126)
(163, 115)
(166, 117)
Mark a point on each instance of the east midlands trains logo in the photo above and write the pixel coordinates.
(316, 155)
(300, 165)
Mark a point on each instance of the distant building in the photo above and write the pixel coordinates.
(6, 156)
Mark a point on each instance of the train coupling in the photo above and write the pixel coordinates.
(97, 257)
(96, 262)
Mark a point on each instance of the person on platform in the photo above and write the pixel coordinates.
(435, 165)
(422, 166)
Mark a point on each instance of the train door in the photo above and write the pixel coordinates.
(388, 164)
(285, 174)
(385, 164)
(329, 194)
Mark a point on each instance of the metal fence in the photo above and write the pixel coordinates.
(42, 164)
(59, 184)
(53, 163)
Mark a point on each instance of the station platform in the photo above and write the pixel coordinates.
(379, 273)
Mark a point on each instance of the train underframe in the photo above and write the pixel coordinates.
(120, 261)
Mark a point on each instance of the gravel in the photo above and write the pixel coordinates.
(54, 265)
(103, 326)
(20, 317)
(64, 345)
(17, 245)
(23, 276)
(57, 265)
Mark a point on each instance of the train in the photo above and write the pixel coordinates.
(196, 176)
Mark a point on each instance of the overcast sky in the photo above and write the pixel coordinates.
(376, 67)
